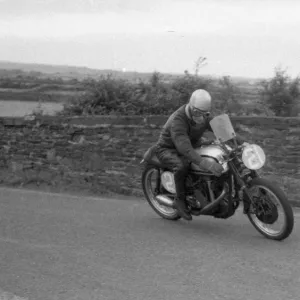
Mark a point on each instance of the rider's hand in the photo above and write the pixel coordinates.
(216, 142)
(211, 166)
(202, 142)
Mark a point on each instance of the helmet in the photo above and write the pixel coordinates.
(201, 100)
(199, 105)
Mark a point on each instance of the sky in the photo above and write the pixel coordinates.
(238, 37)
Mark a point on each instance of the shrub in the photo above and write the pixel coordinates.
(227, 96)
(281, 93)
(110, 95)
(185, 85)
(160, 96)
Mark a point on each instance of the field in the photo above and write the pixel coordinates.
(25, 88)
(14, 108)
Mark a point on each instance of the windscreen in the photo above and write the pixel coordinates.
(222, 128)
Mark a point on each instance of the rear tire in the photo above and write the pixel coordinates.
(163, 211)
(287, 209)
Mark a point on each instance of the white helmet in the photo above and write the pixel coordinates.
(201, 100)
(199, 105)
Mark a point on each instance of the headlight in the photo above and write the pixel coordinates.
(253, 157)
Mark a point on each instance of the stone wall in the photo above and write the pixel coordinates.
(101, 155)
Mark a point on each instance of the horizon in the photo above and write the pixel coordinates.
(239, 38)
(19, 63)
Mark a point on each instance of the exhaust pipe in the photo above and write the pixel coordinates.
(165, 200)
(207, 209)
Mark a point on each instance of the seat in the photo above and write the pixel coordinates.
(151, 158)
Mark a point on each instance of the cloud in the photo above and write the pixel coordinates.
(228, 18)
(31, 7)
(65, 25)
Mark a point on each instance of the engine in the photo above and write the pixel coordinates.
(196, 187)
(211, 152)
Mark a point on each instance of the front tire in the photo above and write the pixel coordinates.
(282, 200)
(163, 211)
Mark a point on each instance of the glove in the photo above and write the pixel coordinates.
(216, 142)
(203, 142)
(212, 167)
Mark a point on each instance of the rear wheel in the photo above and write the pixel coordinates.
(149, 176)
(272, 215)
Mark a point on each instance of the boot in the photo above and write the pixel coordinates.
(181, 208)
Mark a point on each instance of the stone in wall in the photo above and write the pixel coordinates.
(101, 155)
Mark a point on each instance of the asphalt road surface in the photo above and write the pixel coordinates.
(65, 247)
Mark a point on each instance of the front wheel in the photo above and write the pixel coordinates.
(149, 178)
(268, 201)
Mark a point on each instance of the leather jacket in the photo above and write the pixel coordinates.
(183, 134)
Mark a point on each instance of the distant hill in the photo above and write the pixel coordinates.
(66, 71)
(52, 69)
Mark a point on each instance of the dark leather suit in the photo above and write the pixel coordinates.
(175, 146)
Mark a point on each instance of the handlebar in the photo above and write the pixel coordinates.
(206, 143)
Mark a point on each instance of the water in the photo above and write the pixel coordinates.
(22, 108)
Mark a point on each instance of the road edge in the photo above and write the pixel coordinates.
(110, 197)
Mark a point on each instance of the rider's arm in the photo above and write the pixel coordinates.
(181, 140)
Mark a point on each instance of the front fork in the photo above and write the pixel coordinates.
(244, 193)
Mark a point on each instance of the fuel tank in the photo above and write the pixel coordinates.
(211, 153)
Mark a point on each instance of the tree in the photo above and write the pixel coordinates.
(200, 63)
(155, 79)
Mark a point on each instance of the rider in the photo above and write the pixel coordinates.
(179, 136)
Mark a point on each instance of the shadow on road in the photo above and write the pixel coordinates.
(217, 230)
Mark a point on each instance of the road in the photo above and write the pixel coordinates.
(66, 247)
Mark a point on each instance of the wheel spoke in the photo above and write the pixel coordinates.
(264, 207)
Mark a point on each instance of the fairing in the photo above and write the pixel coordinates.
(222, 128)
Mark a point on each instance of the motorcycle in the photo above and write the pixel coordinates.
(220, 197)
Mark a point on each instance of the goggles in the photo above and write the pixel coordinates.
(199, 113)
